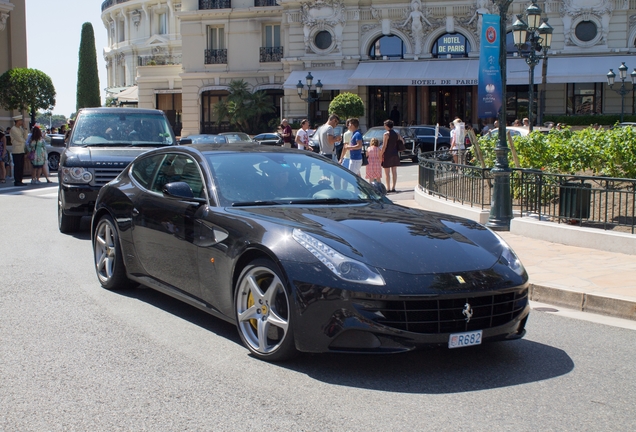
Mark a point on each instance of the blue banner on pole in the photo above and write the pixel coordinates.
(489, 88)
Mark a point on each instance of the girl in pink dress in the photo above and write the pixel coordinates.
(374, 168)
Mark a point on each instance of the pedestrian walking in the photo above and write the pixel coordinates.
(18, 140)
(390, 155)
(286, 133)
(355, 146)
(302, 136)
(37, 146)
(346, 139)
(328, 139)
(3, 154)
(374, 168)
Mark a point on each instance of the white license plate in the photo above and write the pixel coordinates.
(460, 340)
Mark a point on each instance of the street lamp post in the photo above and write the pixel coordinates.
(309, 81)
(622, 73)
(501, 204)
(539, 37)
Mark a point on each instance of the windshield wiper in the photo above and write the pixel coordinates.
(258, 203)
(148, 143)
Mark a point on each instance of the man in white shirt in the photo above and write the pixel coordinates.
(302, 136)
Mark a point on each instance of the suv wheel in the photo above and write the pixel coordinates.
(66, 224)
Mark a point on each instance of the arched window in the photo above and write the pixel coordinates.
(387, 46)
(454, 45)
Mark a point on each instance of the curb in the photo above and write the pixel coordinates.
(614, 306)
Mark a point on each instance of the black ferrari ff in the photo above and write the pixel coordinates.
(302, 255)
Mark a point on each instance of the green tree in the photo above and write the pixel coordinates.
(47, 118)
(347, 105)
(24, 89)
(87, 75)
(242, 108)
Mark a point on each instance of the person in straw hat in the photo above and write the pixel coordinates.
(18, 141)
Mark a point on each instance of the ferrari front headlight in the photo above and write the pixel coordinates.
(344, 267)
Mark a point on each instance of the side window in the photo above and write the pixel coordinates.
(144, 169)
(177, 168)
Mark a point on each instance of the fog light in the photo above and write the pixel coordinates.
(82, 196)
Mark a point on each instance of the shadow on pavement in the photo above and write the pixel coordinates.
(439, 370)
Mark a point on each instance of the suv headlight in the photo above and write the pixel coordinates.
(344, 267)
(76, 175)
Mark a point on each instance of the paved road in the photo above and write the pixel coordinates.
(76, 357)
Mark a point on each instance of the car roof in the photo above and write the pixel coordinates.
(121, 110)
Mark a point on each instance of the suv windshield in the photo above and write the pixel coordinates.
(112, 128)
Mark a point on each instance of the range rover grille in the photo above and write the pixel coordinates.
(104, 175)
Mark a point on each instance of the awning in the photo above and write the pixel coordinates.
(330, 79)
(436, 72)
(586, 69)
(129, 95)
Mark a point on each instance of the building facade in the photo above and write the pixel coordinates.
(420, 59)
(13, 44)
(144, 33)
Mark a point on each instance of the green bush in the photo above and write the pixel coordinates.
(609, 152)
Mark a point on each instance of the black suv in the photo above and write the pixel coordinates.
(408, 136)
(103, 142)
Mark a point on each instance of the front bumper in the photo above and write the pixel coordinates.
(337, 317)
(78, 200)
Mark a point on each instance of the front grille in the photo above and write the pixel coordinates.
(445, 316)
(104, 175)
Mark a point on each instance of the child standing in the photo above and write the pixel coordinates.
(374, 168)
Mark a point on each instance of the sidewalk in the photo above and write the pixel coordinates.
(580, 278)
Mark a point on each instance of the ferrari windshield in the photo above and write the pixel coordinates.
(249, 179)
(113, 129)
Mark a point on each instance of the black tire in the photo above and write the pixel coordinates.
(66, 224)
(109, 264)
(54, 161)
(264, 312)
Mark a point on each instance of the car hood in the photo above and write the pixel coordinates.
(92, 156)
(392, 237)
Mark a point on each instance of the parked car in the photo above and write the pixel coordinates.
(261, 237)
(519, 130)
(425, 135)
(103, 142)
(203, 139)
(313, 138)
(272, 138)
(408, 136)
(236, 137)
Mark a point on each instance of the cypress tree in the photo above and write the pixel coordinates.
(87, 75)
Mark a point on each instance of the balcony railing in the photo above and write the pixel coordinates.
(263, 3)
(271, 54)
(109, 3)
(214, 4)
(158, 60)
(215, 56)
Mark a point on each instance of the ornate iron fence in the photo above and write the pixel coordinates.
(215, 56)
(152, 60)
(214, 4)
(591, 201)
(271, 54)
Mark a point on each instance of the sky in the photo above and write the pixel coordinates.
(54, 29)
